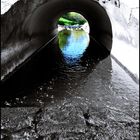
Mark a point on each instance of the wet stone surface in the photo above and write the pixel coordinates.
(68, 121)
(103, 105)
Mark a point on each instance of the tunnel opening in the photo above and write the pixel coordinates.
(73, 36)
(41, 26)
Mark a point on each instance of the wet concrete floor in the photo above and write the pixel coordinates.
(96, 102)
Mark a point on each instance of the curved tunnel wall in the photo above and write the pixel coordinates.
(43, 22)
(41, 27)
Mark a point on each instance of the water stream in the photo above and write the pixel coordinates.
(94, 99)
(73, 73)
(73, 44)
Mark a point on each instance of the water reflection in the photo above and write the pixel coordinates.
(73, 43)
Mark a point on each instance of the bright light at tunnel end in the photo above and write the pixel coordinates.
(84, 26)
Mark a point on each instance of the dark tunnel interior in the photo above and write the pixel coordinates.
(41, 27)
(43, 22)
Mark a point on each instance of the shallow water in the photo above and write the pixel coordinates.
(94, 99)
(74, 74)
(73, 44)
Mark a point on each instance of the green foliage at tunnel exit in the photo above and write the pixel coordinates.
(72, 18)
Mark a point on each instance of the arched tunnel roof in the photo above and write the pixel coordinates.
(40, 27)
(43, 21)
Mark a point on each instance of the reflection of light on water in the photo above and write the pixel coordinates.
(75, 43)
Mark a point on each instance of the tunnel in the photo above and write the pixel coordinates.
(43, 21)
(41, 29)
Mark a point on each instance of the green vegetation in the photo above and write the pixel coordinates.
(63, 37)
(64, 21)
(72, 18)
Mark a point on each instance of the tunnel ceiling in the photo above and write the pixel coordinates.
(39, 18)
(43, 21)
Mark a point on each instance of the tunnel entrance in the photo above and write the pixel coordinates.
(43, 22)
(41, 31)
(42, 25)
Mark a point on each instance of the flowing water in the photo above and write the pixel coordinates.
(96, 98)
(73, 44)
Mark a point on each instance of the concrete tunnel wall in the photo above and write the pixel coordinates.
(43, 21)
(40, 25)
